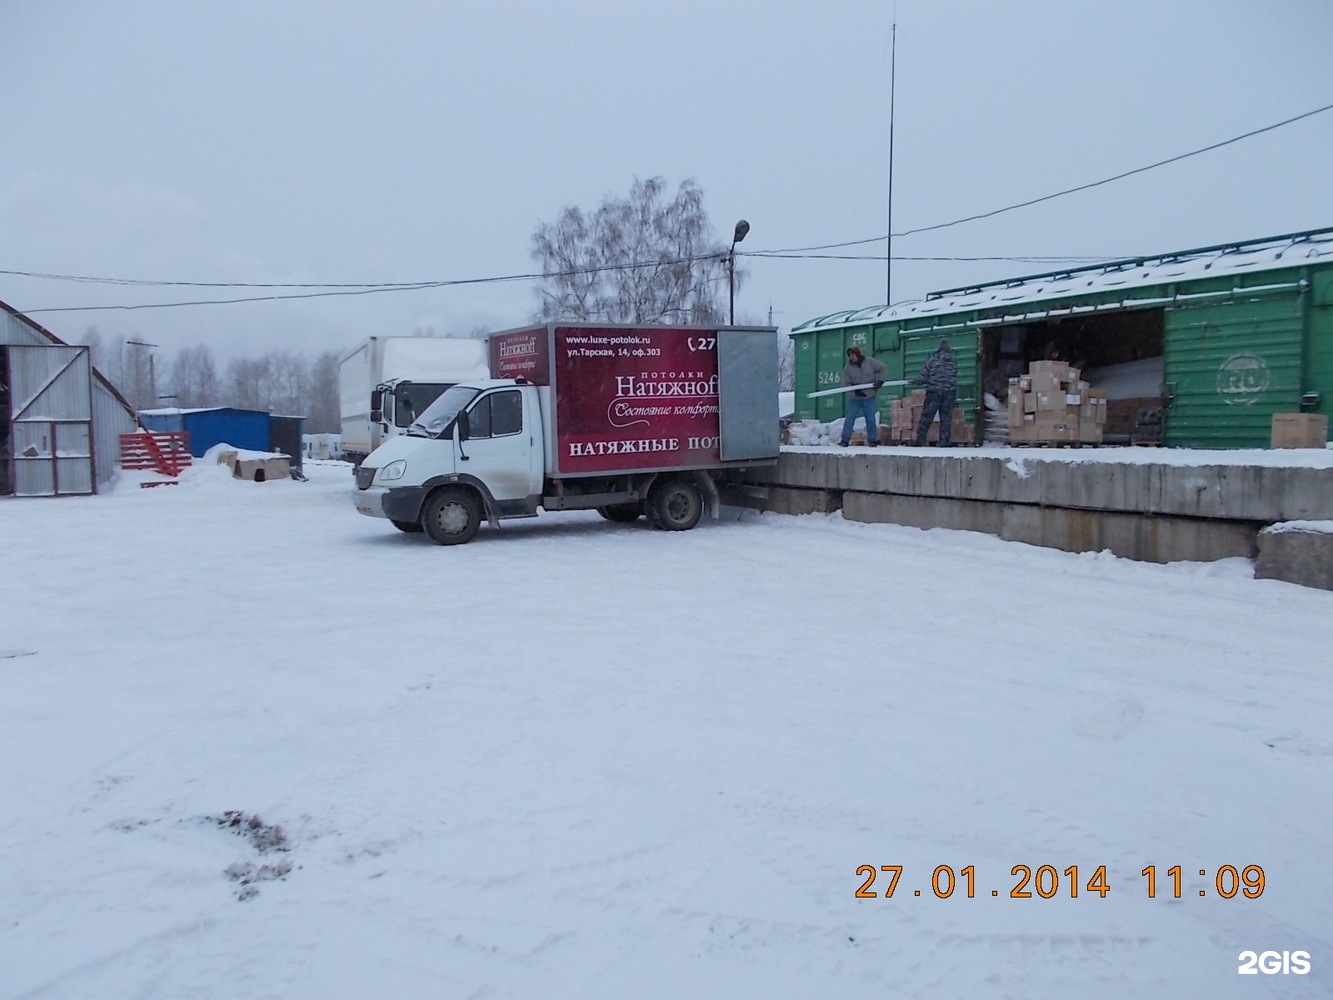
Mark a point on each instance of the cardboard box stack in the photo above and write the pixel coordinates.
(1051, 404)
(906, 414)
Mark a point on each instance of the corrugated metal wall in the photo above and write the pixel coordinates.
(50, 419)
(110, 421)
(1229, 368)
(14, 331)
(97, 421)
(1319, 343)
(247, 429)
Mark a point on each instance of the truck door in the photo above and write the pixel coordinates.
(502, 445)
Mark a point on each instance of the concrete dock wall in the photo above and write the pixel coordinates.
(1157, 512)
(1236, 492)
(1296, 555)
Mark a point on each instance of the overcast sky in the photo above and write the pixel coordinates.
(397, 141)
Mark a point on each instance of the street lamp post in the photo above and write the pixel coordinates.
(742, 228)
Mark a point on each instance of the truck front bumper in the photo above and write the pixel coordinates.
(370, 501)
(401, 503)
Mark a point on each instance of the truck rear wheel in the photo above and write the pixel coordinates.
(675, 505)
(452, 517)
(622, 513)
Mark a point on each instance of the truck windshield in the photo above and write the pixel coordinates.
(413, 398)
(442, 411)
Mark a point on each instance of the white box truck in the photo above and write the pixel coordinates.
(628, 420)
(388, 381)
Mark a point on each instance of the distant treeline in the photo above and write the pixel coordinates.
(277, 381)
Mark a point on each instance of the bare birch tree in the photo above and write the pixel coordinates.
(638, 259)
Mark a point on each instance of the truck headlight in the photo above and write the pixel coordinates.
(394, 470)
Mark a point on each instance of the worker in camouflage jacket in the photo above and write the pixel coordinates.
(861, 370)
(939, 375)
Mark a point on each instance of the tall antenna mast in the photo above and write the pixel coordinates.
(888, 250)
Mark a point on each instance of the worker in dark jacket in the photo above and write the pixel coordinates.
(861, 370)
(939, 375)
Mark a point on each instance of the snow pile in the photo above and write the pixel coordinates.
(578, 759)
(1308, 527)
(816, 434)
(219, 452)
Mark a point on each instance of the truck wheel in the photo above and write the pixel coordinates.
(409, 526)
(622, 513)
(452, 517)
(676, 505)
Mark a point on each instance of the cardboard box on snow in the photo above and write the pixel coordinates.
(1300, 430)
(255, 466)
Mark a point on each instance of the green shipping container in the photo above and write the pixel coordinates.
(1210, 342)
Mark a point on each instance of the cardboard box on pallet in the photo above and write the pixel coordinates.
(1056, 427)
(1060, 408)
(1060, 369)
(1015, 402)
(1300, 430)
(1024, 431)
(1045, 382)
(1089, 432)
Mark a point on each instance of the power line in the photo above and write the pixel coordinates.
(210, 284)
(1117, 177)
(432, 283)
(332, 291)
(778, 255)
(326, 290)
(1071, 190)
(321, 290)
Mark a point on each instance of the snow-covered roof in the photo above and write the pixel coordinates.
(172, 411)
(1186, 265)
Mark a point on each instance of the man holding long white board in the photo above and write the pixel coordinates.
(868, 373)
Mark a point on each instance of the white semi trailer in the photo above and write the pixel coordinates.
(387, 382)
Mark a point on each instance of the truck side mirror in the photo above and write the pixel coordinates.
(376, 405)
(461, 426)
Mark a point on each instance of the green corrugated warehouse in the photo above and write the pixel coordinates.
(1226, 336)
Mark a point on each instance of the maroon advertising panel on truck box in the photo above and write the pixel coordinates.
(522, 354)
(625, 397)
(635, 398)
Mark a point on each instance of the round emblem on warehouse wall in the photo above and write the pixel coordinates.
(1242, 379)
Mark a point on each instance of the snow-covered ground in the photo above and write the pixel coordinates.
(577, 759)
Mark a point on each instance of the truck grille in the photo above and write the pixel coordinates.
(365, 475)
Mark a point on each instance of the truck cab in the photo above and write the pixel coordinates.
(482, 439)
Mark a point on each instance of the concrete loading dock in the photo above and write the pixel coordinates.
(1142, 504)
